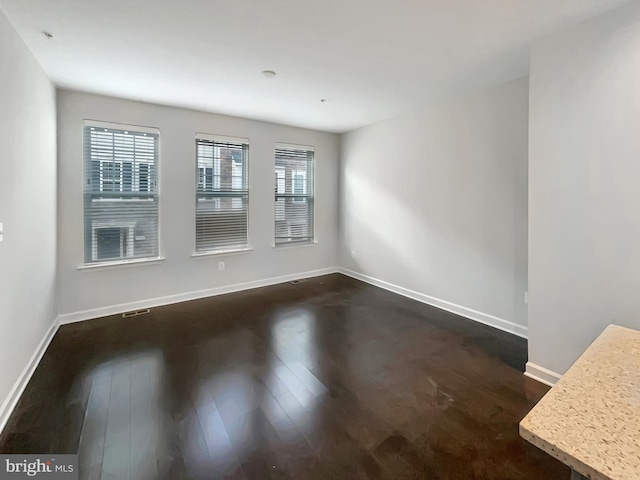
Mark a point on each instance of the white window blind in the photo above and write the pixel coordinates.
(222, 193)
(120, 193)
(294, 194)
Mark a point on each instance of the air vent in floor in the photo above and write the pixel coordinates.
(135, 313)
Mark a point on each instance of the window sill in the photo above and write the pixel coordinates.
(138, 262)
(285, 246)
(221, 253)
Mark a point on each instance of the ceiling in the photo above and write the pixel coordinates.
(370, 59)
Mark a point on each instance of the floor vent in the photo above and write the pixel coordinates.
(135, 313)
(296, 282)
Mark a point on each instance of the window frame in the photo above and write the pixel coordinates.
(221, 141)
(151, 193)
(307, 197)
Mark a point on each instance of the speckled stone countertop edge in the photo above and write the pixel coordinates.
(615, 338)
(568, 460)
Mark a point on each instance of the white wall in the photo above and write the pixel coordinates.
(27, 207)
(82, 290)
(435, 201)
(584, 191)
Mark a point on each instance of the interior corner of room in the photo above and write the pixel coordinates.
(510, 202)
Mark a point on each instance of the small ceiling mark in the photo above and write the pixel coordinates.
(269, 73)
(47, 35)
(322, 100)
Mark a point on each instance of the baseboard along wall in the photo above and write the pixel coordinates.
(185, 297)
(542, 374)
(469, 313)
(11, 401)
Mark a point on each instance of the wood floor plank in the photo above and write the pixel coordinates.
(117, 447)
(194, 450)
(144, 434)
(217, 439)
(279, 420)
(295, 386)
(307, 378)
(92, 438)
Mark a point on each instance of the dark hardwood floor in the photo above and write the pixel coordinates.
(327, 379)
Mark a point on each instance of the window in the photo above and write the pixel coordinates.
(120, 192)
(222, 193)
(294, 194)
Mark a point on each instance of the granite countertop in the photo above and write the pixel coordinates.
(591, 419)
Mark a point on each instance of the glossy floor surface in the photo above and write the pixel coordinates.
(326, 379)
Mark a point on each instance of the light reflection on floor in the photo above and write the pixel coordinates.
(123, 410)
(279, 396)
(259, 393)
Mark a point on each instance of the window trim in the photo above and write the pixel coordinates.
(121, 126)
(284, 246)
(221, 253)
(138, 261)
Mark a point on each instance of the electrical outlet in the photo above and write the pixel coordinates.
(220, 266)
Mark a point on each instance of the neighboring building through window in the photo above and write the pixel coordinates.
(120, 192)
(294, 200)
(222, 193)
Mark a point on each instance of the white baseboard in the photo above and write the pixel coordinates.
(490, 320)
(541, 374)
(16, 392)
(185, 297)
